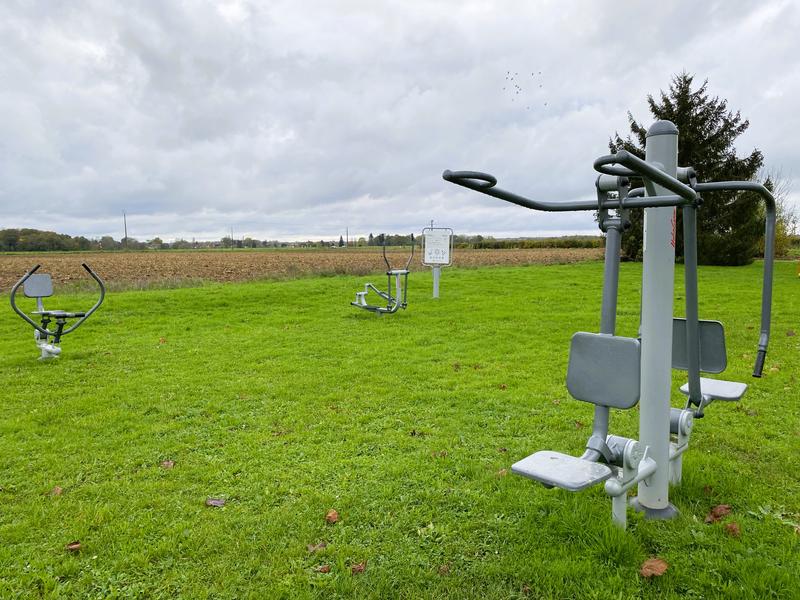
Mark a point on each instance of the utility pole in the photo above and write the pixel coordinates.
(125, 227)
(347, 237)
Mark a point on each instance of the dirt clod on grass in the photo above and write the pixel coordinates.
(653, 567)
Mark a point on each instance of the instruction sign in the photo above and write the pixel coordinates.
(437, 246)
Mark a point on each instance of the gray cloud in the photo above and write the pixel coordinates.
(298, 119)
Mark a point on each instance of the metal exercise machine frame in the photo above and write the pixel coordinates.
(393, 302)
(599, 370)
(43, 289)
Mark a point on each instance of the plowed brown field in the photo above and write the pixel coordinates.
(143, 269)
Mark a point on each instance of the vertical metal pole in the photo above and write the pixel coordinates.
(437, 273)
(608, 324)
(692, 325)
(608, 316)
(658, 279)
(399, 288)
(619, 510)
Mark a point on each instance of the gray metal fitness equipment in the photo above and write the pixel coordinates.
(39, 286)
(610, 371)
(400, 277)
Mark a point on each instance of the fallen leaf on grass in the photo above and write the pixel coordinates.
(324, 569)
(578, 425)
(708, 490)
(439, 454)
(167, 464)
(57, 491)
(526, 590)
(331, 516)
(316, 547)
(790, 333)
(733, 530)
(653, 567)
(718, 512)
(444, 569)
(502, 449)
(502, 472)
(358, 567)
(162, 340)
(503, 386)
(215, 502)
(456, 366)
(74, 546)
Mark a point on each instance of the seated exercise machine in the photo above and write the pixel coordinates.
(40, 285)
(400, 276)
(611, 371)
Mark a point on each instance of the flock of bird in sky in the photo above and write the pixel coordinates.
(512, 79)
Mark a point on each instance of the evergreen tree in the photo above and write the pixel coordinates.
(341, 242)
(729, 225)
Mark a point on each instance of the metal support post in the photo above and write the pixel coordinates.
(437, 273)
(658, 278)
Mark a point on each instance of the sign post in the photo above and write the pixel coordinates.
(437, 252)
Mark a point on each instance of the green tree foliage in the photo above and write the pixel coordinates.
(729, 225)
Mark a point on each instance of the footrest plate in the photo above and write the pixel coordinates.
(562, 470)
(717, 389)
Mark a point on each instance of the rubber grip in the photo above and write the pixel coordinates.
(759, 367)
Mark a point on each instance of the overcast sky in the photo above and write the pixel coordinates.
(298, 119)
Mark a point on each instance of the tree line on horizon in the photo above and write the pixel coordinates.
(35, 240)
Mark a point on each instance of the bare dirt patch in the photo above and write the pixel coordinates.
(153, 268)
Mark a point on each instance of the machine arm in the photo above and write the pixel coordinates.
(16, 308)
(43, 330)
(97, 304)
(485, 183)
(769, 256)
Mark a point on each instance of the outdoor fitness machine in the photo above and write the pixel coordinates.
(610, 371)
(437, 252)
(400, 276)
(40, 285)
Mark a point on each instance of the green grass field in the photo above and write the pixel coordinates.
(286, 402)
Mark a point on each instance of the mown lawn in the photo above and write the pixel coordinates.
(284, 401)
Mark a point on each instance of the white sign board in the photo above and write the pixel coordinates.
(437, 246)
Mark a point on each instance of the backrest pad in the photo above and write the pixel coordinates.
(38, 285)
(604, 369)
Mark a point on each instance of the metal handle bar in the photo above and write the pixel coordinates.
(43, 330)
(96, 304)
(485, 183)
(386, 260)
(769, 256)
(636, 167)
(14, 303)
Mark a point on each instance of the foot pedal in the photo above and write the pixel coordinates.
(717, 389)
(562, 470)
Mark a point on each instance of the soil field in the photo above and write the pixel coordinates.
(156, 269)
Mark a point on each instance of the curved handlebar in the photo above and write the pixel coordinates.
(386, 260)
(43, 330)
(14, 303)
(97, 304)
(636, 167)
(769, 256)
(485, 183)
